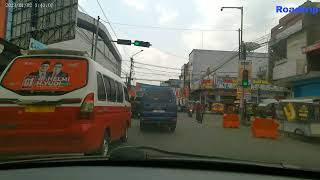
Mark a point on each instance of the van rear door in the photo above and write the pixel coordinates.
(159, 102)
(36, 92)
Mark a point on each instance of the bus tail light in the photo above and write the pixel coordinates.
(86, 109)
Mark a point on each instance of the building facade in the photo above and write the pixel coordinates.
(295, 52)
(214, 76)
(107, 53)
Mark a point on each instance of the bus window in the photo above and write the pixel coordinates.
(101, 89)
(120, 92)
(113, 96)
(107, 85)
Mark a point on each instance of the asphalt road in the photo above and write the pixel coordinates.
(210, 138)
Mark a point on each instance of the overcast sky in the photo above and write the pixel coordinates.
(172, 47)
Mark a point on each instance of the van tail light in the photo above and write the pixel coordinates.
(86, 109)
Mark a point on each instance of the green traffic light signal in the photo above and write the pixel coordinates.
(141, 43)
(245, 83)
(136, 43)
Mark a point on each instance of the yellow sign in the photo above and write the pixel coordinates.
(289, 112)
(260, 82)
(40, 108)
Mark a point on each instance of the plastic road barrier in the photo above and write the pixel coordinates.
(265, 128)
(231, 121)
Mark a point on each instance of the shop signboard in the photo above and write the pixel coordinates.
(206, 84)
(226, 83)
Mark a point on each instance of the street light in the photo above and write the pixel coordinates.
(241, 8)
(241, 49)
(131, 67)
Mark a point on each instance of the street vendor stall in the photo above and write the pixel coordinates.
(299, 116)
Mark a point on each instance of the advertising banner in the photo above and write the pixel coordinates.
(42, 74)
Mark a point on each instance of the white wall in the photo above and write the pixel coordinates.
(296, 60)
(202, 59)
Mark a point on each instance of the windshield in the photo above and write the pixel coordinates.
(238, 79)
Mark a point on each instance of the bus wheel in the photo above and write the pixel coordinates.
(124, 138)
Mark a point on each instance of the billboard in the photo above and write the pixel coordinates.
(46, 21)
(3, 17)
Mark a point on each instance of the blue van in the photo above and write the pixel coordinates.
(158, 107)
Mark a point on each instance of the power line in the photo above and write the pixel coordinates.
(166, 67)
(104, 14)
(164, 28)
(142, 79)
(171, 54)
(139, 67)
(160, 74)
(112, 29)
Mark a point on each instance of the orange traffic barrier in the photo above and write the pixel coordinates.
(231, 121)
(265, 127)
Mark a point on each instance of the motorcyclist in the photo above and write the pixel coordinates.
(199, 112)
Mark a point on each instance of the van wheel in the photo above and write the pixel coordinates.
(104, 149)
(124, 138)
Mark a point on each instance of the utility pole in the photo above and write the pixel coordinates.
(92, 43)
(239, 31)
(131, 71)
(96, 39)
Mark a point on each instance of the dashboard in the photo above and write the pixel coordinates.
(124, 173)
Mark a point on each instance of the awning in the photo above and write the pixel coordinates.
(312, 48)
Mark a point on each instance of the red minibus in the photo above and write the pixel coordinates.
(58, 101)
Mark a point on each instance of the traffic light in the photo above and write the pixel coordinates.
(141, 43)
(124, 41)
(136, 42)
(245, 78)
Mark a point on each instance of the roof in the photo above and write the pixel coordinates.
(55, 51)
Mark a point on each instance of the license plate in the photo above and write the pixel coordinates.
(42, 108)
(159, 111)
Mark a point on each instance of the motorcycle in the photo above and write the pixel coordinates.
(190, 112)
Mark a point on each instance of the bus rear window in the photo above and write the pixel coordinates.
(45, 75)
(158, 96)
